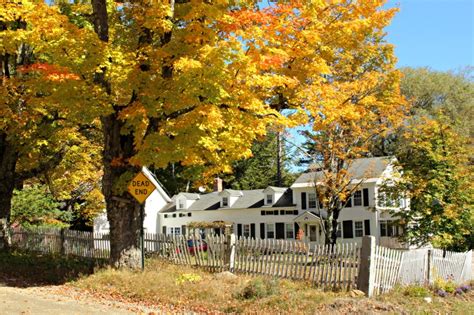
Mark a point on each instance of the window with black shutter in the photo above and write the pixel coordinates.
(163, 230)
(347, 229)
(262, 212)
(367, 227)
(303, 200)
(262, 230)
(183, 229)
(252, 230)
(239, 230)
(366, 197)
(280, 230)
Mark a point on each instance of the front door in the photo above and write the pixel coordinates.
(312, 233)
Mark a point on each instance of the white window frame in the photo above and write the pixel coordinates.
(269, 199)
(181, 204)
(246, 230)
(175, 230)
(357, 199)
(358, 227)
(225, 201)
(267, 230)
(312, 199)
(290, 229)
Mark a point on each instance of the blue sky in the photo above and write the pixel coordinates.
(434, 33)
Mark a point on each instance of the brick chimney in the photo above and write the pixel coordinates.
(217, 184)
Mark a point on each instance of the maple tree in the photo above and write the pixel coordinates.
(357, 100)
(35, 137)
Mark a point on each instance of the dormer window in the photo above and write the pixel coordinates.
(181, 204)
(225, 201)
(269, 199)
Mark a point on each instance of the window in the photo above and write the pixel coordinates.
(358, 198)
(272, 212)
(246, 230)
(312, 200)
(269, 199)
(339, 229)
(175, 230)
(189, 214)
(270, 228)
(225, 201)
(358, 228)
(289, 230)
(389, 228)
(174, 215)
(166, 216)
(282, 212)
(181, 215)
(181, 204)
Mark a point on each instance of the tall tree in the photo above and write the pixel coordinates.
(32, 117)
(268, 166)
(432, 147)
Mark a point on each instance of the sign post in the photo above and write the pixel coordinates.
(141, 188)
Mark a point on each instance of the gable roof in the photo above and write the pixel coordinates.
(249, 199)
(157, 184)
(359, 169)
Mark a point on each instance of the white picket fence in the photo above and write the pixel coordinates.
(330, 267)
(419, 266)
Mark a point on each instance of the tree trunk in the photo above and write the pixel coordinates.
(123, 211)
(8, 160)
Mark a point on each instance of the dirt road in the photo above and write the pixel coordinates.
(15, 300)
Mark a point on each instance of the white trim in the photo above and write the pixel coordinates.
(150, 176)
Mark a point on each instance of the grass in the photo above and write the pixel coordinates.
(180, 288)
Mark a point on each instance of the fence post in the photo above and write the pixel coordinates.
(62, 239)
(366, 277)
(428, 266)
(230, 251)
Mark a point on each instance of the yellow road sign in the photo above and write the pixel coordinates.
(141, 187)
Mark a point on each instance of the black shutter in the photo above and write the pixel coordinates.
(280, 231)
(163, 229)
(365, 193)
(252, 230)
(262, 230)
(297, 229)
(183, 229)
(239, 230)
(367, 227)
(303, 200)
(347, 229)
(349, 202)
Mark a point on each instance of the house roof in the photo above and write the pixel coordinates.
(247, 200)
(189, 196)
(359, 169)
(276, 189)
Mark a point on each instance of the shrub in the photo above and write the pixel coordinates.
(445, 285)
(416, 291)
(258, 288)
(188, 277)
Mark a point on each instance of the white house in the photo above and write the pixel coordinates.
(280, 212)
